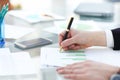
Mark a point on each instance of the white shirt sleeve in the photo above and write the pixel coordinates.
(109, 38)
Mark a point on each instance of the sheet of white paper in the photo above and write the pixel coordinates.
(104, 55)
(16, 64)
(23, 63)
(4, 51)
(99, 54)
(5, 62)
(52, 57)
(4, 55)
(79, 25)
(16, 32)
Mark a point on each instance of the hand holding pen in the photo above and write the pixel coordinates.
(67, 31)
(78, 39)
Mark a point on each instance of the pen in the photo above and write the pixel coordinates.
(3, 12)
(67, 30)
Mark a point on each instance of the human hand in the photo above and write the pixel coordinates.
(82, 39)
(88, 70)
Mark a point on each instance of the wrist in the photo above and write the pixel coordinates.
(118, 71)
(115, 75)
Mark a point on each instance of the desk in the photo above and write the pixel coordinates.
(34, 52)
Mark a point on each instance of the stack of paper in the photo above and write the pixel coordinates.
(15, 64)
(34, 16)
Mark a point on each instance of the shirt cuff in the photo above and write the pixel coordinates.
(115, 77)
(109, 39)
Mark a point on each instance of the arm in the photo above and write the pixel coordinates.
(82, 39)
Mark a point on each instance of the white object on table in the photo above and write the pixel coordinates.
(16, 65)
(117, 13)
(15, 32)
(53, 57)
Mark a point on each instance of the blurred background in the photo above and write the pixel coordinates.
(62, 7)
(66, 8)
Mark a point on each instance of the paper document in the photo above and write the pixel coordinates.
(79, 25)
(16, 64)
(104, 55)
(4, 51)
(34, 16)
(53, 57)
(15, 32)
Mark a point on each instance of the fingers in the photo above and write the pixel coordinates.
(64, 70)
(73, 74)
(76, 76)
(79, 65)
(78, 46)
(71, 42)
(60, 38)
(72, 47)
(71, 67)
(75, 47)
(76, 71)
(74, 65)
(68, 42)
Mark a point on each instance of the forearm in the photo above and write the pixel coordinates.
(106, 38)
(98, 38)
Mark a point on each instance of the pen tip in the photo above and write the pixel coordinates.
(60, 49)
